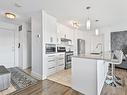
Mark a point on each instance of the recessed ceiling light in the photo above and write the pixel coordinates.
(88, 7)
(97, 20)
(10, 15)
(17, 5)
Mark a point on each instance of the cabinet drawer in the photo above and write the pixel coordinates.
(51, 71)
(61, 55)
(60, 62)
(51, 64)
(60, 59)
(51, 57)
(60, 67)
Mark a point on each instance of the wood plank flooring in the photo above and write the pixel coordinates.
(48, 87)
(121, 90)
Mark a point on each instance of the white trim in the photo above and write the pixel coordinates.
(34, 74)
(44, 77)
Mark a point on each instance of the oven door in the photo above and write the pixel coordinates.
(68, 58)
(68, 61)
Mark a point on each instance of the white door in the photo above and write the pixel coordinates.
(7, 49)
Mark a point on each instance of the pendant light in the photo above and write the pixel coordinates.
(88, 22)
(96, 30)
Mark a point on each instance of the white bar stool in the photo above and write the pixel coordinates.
(114, 79)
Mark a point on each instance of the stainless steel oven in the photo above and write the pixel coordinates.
(50, 48)
(61, 49)
(68, 59)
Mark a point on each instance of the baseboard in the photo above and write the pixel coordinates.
(38, 76)
(44, 77)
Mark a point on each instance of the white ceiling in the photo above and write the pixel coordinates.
(109, 12)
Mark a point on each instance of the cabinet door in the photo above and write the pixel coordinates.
(50, 29)
(58, 38)
(100, 75)
(51, 71)
(51, 64)
(60, 63)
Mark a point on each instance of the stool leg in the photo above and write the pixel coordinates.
(111, 79)
(114, 82)
(112, 71)
(116, 78)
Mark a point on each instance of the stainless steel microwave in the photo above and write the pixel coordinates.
(50, 48)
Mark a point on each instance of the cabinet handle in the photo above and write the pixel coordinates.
(60, 58)
(62, 54)
(51, 60)
(51, 56)
(61, 65)
(51, 67)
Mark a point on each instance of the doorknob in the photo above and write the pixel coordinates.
(19, 45)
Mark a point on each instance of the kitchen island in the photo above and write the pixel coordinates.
(89, 72)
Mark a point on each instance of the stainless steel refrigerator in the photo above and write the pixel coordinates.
(80, 46)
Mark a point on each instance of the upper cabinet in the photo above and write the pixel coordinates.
(50, 28)
(64, 32)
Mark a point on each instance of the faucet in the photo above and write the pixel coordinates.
(100, 44)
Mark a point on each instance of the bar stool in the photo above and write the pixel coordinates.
(114, 79)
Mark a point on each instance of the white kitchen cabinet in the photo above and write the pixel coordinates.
(51, 71)
(51, 63)
(64, 32)
(88, 75)
(58, 38)
(50, 29)
(60, 62)
(55, 63)
(100, 75)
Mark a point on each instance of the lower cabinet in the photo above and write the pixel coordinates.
(55, 63)
(51, 71)
(60, 64)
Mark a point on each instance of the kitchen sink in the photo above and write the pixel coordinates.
(95, 53)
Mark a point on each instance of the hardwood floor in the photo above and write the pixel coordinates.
(47, 87)
(63, 77)
(121, 90)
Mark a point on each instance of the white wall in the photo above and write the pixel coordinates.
(37, 45)
(97, 43)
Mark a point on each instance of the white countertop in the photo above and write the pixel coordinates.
(107, 56)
